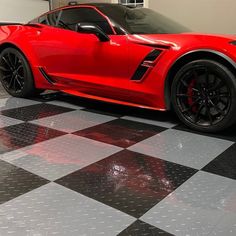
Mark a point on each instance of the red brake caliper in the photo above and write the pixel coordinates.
(190, 94)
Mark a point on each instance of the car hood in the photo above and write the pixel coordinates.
(183, 40)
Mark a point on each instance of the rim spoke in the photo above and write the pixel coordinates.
(20, 83)
(184, 83)
(191, 106)
(217, 86)
(19, 67)
(16, 61)
(10, 82)
(7, 62)
(10, 60)
(209, 114)
(217, 108)
(186, 95)
(14, 83)
(6, 76)
(223, 102)
(198, 113)
(221, 95)
(207, 78)
(4, 69)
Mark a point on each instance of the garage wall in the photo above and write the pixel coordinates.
(21, 10)
(213, 16)
(59, 3)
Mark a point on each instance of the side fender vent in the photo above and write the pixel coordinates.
(46, 76)
(147, 63)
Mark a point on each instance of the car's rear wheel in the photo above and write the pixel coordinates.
(203, 95)
(15, 74)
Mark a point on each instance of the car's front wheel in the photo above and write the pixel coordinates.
(15, 73)
(203, 95)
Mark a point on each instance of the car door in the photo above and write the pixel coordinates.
(81, 61)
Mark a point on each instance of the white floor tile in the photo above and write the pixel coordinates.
(11, 103)
(55, 210)
(65, 104)
(73, 121)
(184, 148)
(7, 121)
(164, 124)
(60, 156)
(195, 207)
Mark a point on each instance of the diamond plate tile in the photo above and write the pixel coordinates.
(21, 135)
(226, 226)
(183, 148)
(15, 182)
(65, 104)
(35, 111)
(11, 103)
(55, 210)
(58, 157)
(73, 121)
(104, 111)
(140, 228)
(224, 164)
(119, 132)
(165, 124)
(7, 121)
(196, 207)
(128, 181)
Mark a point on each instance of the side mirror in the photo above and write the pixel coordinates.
(88, 28)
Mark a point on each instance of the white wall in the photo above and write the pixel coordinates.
(59, 3)
(21, 10)
(213, 16)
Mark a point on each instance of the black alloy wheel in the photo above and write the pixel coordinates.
(204, 96)
(15, 73)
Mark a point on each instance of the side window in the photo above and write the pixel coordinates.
(49, 19)
(70, 17)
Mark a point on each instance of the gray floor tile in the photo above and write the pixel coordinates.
(11, 103)
(184, 148)
(7, 121)
(64, 104)
(226, 226)
(164, 124)
(73, 121)
(58, 157)
(196, 207)
(55, 210)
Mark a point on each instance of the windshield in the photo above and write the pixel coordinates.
(142, 20)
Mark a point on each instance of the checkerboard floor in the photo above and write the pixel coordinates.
(70, 166)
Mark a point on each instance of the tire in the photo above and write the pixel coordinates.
(203, 95)
(15, 74)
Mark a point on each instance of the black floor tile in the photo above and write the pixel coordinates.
(224, 164)
(35, 112)
(140, 228)
(24, 134)
(122, 133)
(128, 181)
(47, 96)
(228, 134)
(103, 112)
(15, 182)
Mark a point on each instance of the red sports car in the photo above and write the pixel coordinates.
(134, 57)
